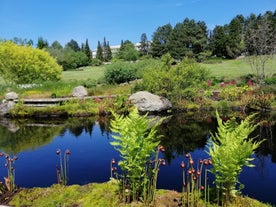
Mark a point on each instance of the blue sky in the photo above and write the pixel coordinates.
(117, 20)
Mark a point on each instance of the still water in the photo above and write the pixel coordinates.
(35, 143)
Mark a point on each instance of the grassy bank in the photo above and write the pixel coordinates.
(102, 195)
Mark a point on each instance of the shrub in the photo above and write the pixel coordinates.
(24, 64)
(175, 82)
(120, 72)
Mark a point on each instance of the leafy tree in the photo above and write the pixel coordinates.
(87, 50)
(56, 51)
(99, 54)
(127, 51)
(160, 37)
(24, 64)
(41, 43)
(73, 44)
(56, 45)
(73, 60)
(144, 44)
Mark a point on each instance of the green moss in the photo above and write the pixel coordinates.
(57, 195)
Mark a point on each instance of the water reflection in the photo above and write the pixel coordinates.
(35, 142)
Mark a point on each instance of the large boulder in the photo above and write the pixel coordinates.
(11, 96)
(79, 92)
(5, 107)
(148, 102)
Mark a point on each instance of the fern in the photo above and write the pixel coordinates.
(136, 143)
(231, 149)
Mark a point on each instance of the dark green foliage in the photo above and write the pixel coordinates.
(73, 60)
(87, 50)
(99, 54)
(187, 39)
(120, 72)
(41, 43)
(73, 45)
(96, 62)
(271, 80)
(159, 40)
(127, 51)
(144, 45)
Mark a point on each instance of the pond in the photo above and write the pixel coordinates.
(35, 143)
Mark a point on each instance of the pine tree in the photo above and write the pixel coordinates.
(99, 54)
(144, 44)
(87, 50)
(108, 52)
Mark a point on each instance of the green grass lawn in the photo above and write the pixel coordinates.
(91, 73)
(231, 69)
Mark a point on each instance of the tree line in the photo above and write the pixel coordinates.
(252, 35)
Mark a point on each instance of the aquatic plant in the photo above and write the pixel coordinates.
(63, 168)
(194, 180)
(10, 179)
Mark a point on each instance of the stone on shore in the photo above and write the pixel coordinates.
(148, 102)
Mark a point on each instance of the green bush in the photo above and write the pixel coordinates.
(175, 82)
(120, 72)
(96, 62)
(270, 81)
(24, 64)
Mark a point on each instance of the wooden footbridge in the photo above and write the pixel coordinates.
(44, 102)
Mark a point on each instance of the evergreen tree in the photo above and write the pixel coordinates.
(177, 42)
(218, 41)
(73, 44)
(160, 37)
(127, 51)
(188, 38)
(108, 52)
(235, 29)
(99, 54)
(87, 50)
(144, 44)
(56, 45)
(41, 43)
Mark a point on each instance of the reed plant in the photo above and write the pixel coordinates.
(63, 168)
(10, 179)
(195, 185)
